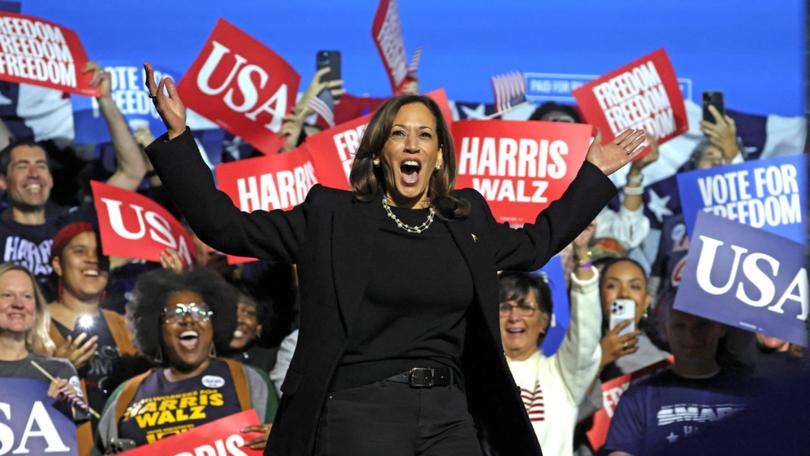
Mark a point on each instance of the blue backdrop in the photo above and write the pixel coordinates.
(752, 50)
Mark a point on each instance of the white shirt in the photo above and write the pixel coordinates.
(553, 387)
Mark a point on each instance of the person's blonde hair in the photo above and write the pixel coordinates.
(37, 338)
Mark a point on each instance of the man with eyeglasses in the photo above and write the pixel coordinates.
(245, 339)
(552, 386)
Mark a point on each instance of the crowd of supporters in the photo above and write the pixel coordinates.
(134, 338)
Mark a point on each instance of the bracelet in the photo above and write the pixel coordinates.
(635, 180)
(586, 265)
(579, 261)
(633, 191)
(150, 174)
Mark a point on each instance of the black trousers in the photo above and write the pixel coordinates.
(395, 419)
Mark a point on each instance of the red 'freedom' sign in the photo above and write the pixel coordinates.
(278, 181)
(241, 85)
(642, 94)
(134, 226)
(333, 149)
(519, 167)
(387, 33)
(220, 437)
(39, 52)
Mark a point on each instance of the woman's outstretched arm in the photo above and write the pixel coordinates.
(274, 235)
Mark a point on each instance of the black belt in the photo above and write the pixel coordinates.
(424, 377)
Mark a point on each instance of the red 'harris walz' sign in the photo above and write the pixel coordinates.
(217, 438)
(642, 94)
(278, 181)
(134, 226)
(240, 84)
(39, 52)
(519, 167)
(333, 149)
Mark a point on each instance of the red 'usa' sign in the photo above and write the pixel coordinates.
(134, 226)
(242, 85)
(519, 167)
(642, 94)
(39, 52)
(278, 181)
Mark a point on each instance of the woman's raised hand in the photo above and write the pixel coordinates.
(170, 107)
(618, 152)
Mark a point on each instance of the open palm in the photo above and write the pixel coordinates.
(170, 107)
(616, 153)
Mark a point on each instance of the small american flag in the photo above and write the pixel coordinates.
(509, 89)
(417, 54)
(324, 106)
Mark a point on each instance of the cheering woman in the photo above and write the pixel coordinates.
(399, 349)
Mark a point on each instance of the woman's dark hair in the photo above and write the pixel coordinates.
(144, 313)
(515, 285)
(366, 179)
(612, 261)
(550, 106)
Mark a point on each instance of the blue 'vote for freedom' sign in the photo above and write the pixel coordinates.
(768, 194)
(29, 423)
(130, 95)
(745, 277)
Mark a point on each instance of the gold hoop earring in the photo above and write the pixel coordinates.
(213, 352)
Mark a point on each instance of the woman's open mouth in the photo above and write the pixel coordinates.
(409, 169)
(189, 339)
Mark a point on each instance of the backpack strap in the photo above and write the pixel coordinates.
(118, 329)
(56, 336)
(239, 382)
(128, 393)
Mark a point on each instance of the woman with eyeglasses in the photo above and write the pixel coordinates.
(180, 322)
(552, 387)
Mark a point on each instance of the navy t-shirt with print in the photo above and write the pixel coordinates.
(30, 245)
(666, 408)
(162, 408)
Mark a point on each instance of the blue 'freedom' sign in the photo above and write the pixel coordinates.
(767, 194)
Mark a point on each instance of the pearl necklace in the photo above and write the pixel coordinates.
(409, 228)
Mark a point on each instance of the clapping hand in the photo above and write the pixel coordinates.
(618, 152)
(170, 107)
(78, 351)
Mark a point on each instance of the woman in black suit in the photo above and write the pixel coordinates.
(399, 350)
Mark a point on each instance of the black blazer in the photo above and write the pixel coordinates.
(330, 238)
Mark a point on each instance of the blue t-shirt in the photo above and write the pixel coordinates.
(665, 408)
